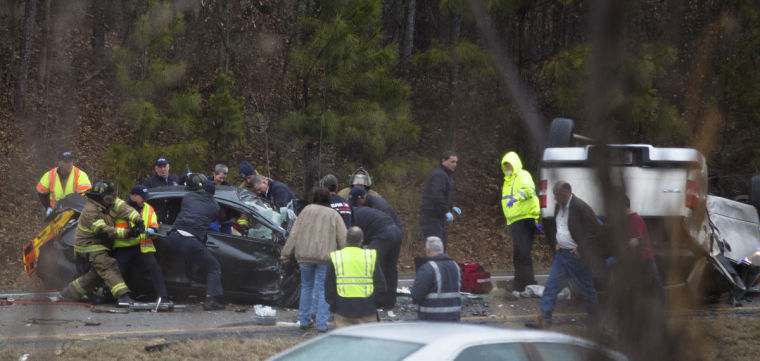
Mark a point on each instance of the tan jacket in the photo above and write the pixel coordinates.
(318, 230)
(97, 229)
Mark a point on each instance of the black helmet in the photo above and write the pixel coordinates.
(103, 192)
(102, 188)
(195, 181)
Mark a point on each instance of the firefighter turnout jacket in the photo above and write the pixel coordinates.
(145, 242)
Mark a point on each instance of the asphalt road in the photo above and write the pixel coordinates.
(36, 319)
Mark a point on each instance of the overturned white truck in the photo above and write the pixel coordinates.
(701, 242)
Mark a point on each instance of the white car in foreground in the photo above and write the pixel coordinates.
(445, 341)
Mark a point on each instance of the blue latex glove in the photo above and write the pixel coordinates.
(511, 201)
(150, 231)
(449, 217)
(609, 262)
(456, 210)
(48, 211)
(540, 228)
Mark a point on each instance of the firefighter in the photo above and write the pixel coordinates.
(140, 250)
(94, 239)
(61, 181)
(359, 178)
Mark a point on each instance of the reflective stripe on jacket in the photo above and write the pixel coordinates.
(96, 229)
(518, 185)
(146, 243)
(50, 183)
(436, 289)
(354, 270)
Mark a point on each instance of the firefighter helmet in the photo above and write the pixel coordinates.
(361, 176)
(195, 181)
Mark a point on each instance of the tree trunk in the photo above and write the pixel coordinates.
(407, 43)
(26, 56)
(456, 26)
(98, 30)
(45, 43)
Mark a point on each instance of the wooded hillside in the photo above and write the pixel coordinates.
(305, 88)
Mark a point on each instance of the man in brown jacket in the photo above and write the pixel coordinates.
(94, 239)
(318, 230)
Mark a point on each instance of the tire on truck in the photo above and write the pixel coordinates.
(560, 133)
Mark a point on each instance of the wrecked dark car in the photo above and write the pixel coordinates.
(251, 267)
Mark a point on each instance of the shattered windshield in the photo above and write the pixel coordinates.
(261, 207)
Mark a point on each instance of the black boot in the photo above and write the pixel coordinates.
(213, 303)
(125, 299)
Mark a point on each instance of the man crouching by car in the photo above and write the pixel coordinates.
(94, 239)
(187, 237)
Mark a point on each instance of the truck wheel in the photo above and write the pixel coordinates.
(560, 133)
(754, 191)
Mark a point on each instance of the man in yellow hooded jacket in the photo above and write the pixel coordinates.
(520, 205)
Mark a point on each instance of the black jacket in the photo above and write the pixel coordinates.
(156, 181)
(341, 205)
(381, 204)
(198, 210)
(353, 306)
(373, 222)
(278, 194)
(585, 229)
(434, 305)
(436, 196)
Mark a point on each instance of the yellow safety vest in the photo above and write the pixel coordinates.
(146, 244)
(50, 183)
(354, 270)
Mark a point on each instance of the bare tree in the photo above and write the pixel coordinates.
(26, 56)
(42, 73)
(407, 43)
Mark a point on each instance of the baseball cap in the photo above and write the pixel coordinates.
(355, 194)
(65, 155)
(141, 191)
(328, 180)
(209, 187)
(161, 161)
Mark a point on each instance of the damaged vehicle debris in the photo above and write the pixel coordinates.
(703, 243)
(251, 268)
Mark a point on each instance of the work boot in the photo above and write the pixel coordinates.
(541, 324)
(213, 303)
(68, 294)
(125, 299)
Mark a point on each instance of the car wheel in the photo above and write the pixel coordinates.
(560, 133)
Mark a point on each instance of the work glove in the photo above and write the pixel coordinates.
(48, 212)
(540, 228)
(449, 217)
(511, 201)
(133, 232)
(150, 231)
(457, 210)
(609, 262)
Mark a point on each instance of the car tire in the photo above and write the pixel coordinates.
(754, 191)
(560, 133)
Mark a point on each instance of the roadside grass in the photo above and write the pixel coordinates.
(134, 349)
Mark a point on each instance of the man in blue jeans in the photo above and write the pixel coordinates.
(577, 252)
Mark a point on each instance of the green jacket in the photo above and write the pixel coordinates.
(518, 185)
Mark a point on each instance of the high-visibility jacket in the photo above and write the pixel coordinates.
(50, 183)
(146, 243)
(96, 229)
(518, 185)
(354, 270)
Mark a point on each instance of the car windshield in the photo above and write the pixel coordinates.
(261, 207)
(337, 348)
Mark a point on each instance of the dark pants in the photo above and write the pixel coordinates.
(522, 239)
(387, 243)
(194, 251)
(131, 256)
(432, 226)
